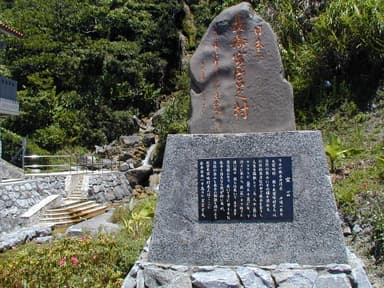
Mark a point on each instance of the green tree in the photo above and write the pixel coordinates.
(107, 56)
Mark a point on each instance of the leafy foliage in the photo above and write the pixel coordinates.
(12, 144)
(350, 34)
(335, 151)
(89, 261)
(137, 215)
(380, 167)
(174, 118)
(358, 183)
(75, 73)
(100, 261)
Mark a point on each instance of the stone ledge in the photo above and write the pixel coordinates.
(42, 204)
(23, 235)
(288, 275)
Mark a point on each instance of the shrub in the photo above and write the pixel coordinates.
(88, 261)
(100, 261)
(11, 146)
(175, 118)
(137, 215)
(51, 138)
(380, 167)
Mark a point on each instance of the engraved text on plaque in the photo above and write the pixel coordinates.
(245, 189)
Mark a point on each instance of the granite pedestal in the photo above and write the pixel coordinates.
(312, 237)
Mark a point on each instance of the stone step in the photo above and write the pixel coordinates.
(67, 201)
(73, 205)
(75, 208)
(70, 211)
(76, 217)
(77, 197)
(77, 190)
(78, 194)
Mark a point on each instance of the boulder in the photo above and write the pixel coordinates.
(87, 161)
(218, 278)
(156, 277)
(139, 176)
(253, 277)
(130, 141)
(149, 139)
(295, 278)
(333, 281)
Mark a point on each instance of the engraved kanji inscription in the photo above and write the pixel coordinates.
(240, 109)
(233, 189)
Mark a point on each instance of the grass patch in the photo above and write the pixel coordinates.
(358, 177)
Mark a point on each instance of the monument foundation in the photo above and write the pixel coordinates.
(248, 219)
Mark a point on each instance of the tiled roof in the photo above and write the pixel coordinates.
(4, 28)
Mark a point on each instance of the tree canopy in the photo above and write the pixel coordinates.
(85, 67)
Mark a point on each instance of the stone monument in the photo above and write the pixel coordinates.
(237, 81)
(253, 190)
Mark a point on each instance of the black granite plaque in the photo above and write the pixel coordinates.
(233, 189)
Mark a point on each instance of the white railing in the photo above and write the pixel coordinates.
(61, 163)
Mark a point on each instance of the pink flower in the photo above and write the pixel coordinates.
(62, 261)
(74, 260)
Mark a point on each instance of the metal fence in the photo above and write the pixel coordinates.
(39, 163)
(64, 163)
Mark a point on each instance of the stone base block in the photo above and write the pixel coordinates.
(313, 237)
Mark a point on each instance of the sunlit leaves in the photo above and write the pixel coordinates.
(98, 56)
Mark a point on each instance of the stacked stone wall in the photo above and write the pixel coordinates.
(108, 187)
(18, 197)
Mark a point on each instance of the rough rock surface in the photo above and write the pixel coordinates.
(220, 277)
(237, 82)
(108, 187)
(286, 275)
(131, 140)
(149, 139)
(139, 176)
(10, 240)
(9, 171)
(17, 197)
(95, 225)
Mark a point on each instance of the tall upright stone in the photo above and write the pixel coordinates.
(237, 81)
(243, 189)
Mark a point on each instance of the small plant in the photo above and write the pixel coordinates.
(139, 215)
(335, 151)
(380, 167)
(379, 236)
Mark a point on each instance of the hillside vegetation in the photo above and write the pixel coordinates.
(84, 68)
